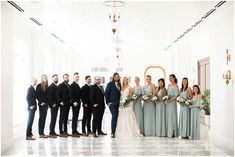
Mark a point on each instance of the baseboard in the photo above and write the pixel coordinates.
(225, 144)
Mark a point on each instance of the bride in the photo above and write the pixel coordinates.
(126, 125)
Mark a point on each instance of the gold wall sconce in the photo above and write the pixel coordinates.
(227, 71)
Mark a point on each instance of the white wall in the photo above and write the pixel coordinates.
(6, 86)
(211, 38)
(15, 25)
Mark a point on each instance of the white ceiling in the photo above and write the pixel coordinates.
(145, 26)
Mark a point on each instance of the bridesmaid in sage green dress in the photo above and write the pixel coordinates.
(184, 118)
(195, 113)
(149, 109)
(137, 105)
(171, 108)
(161, 109)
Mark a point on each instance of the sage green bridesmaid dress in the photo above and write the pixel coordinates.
(171, 113)
(160, 116)
(138, 108)
(184, 118)
(149, 113)
(195, 119)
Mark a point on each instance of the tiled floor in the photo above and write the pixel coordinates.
(89, 146)
(106, 146)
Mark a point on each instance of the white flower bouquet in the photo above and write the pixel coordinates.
(180, 100)
(154, 98)
(134, 97)
(202, 107)
(124, 102)
(145, 97)
(188, 102)
(167, 97)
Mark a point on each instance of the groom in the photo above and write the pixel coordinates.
(112, 96)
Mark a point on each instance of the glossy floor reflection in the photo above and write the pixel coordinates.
(104, 145)
(89, 146)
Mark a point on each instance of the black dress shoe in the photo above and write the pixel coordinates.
(79, 134)
(75, 135)
(43, 136)
(30, 138)
(102, 133)
(113, 136)
(94, 135)
(56, 134)
(89, 132)
(63, 135)
(53, 136)
(85, 134)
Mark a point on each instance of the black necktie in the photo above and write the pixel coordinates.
(67, 85)
(101, 88)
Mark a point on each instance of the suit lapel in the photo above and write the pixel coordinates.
(100, 88)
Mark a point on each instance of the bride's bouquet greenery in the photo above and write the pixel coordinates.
(125, 101)
(181, 100)
(188, 102)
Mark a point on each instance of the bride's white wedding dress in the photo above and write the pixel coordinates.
(126, 125)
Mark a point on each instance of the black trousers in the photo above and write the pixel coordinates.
(30, 122)
(42, 118)
(76, 110)
(100, 120)
(97, 112)
(54, 112)
(86, 119)
(64, 113)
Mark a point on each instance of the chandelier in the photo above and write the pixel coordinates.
(114, 13)
(114, 16)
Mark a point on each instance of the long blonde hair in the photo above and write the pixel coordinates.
(123, 85)
(44, 86)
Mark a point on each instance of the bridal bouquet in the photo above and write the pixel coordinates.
(154, 98)
(180, 100)
(125, 101)
(202, 107)
(188, 102)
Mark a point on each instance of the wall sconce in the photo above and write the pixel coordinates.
(227, 71)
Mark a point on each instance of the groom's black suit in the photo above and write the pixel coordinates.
(112, 96)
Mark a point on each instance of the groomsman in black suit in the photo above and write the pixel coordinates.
(87, 110)
(53, 104)
(97, 104)
(41, 95)
(32, 107)
(63, 98)
(75, 95)
(102, 109)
